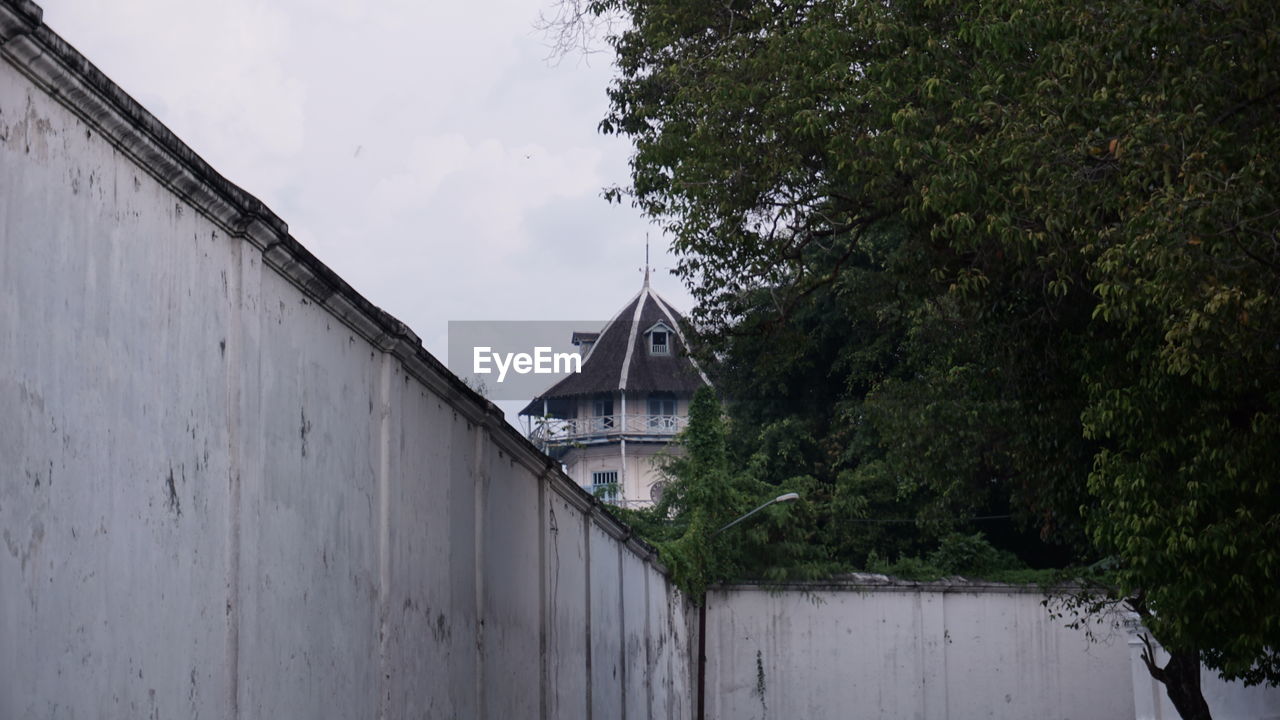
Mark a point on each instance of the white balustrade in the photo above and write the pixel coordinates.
(555, 431)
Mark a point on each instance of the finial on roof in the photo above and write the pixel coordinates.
(646, 259)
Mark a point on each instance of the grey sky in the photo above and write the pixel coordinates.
(426, 151)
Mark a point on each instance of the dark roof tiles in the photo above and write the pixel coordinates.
(621, 359)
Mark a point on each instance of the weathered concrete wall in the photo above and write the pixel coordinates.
(922, 652)
(230, 487)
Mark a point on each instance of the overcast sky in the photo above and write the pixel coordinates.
(425, 150)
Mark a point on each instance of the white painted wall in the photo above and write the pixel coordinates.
(643, 466)
(231, 488)
(910, 652)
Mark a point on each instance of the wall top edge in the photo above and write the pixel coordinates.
(109, 96)
(79, 74)
(598, 512)
(871, 582)
(29, 9)
(22, 20)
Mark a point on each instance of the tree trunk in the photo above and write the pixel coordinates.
(1181, 678)
(1182, 683)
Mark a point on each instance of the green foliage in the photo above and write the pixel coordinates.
(968, 556)
(960, 552)
(1006, 253)
(864, 389)
(703, 494)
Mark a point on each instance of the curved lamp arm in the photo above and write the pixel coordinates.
(787, 497)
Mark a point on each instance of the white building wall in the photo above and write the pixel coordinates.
(312, 494)
(666, 654)
(231, 488)
(511, 591)
(916, 653)
(635, 628)
(606, 671)
(642, 468)
(568, 631)
(583, 461)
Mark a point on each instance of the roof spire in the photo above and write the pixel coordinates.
(646, 259)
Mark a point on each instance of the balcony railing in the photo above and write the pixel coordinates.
(555, 431)
(619, 501)
(611, 493)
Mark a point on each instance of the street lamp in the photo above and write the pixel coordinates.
(702, 607)
(784, 498)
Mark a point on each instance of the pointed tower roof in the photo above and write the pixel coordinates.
(620, 358)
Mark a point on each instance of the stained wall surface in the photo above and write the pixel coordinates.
(230, 487)
(910, 652)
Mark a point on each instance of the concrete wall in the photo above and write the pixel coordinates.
(230, 487)
(920, 652)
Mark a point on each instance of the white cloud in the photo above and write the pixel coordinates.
(215, 73)
(424, 150)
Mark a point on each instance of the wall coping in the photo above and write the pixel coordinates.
(874, 582)
(53, 64)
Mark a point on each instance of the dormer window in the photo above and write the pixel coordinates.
(584, 341)
(659, 339)
(658, 343)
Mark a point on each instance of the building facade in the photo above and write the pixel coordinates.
(611, 424)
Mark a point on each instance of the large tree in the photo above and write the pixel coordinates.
(1089, 194)
(906, 423)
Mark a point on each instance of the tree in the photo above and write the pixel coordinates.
(703, 493)
(1089, 192)
(866, 391)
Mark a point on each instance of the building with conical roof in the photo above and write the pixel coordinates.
(608, 423)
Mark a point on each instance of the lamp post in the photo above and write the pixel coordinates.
(702, 606)
(788, 497)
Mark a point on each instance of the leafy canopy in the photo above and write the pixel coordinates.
(1085, 196)
(702, 495)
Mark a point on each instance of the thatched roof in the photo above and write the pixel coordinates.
(620, 358)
